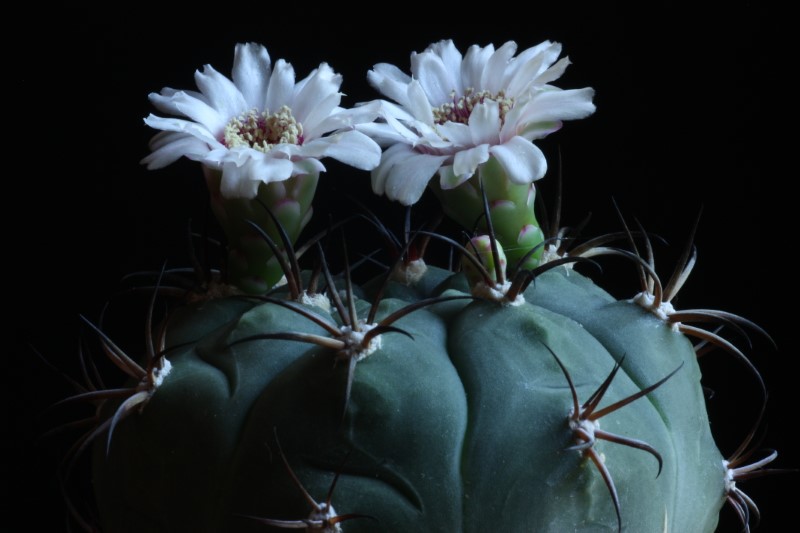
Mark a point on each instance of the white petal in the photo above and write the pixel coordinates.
(162, 138)
(540, 130)
(448, 178)
(451, 59)
(530, 54)
(307, 166)
(318, 115)
(494, 73)
(434, 77)
(407, 180)
(222, 94)
(350, 147)
(403, 173)
(525, 73)
(512, 126)
(313, 90)
(348, 118)
(388, 109)
(418, 104)
(554, 72)
(177, 146)
(429, 135)
(281, 85)
(556, 104)
(395, 129)
(268, 169)
(466, 161)
(166, 91)
(389, 158)
(183, 126)
(216, 157)
(390, 81)
(484, 123)
(385, 135)
(240, 156)
(236, 183)
(523, 161)
(251, 72)
(473, 66)
(180, 103)
(457, 133)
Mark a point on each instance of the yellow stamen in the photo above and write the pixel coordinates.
(262, 131)
(461, 108)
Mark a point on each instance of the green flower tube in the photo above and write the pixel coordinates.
(510, 206)
(252, 266)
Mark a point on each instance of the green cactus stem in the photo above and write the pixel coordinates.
(252, 266)
(510, 206)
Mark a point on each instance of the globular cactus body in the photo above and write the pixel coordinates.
(465, 427)
(425, 400)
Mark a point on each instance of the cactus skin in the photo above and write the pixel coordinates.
(463, 428)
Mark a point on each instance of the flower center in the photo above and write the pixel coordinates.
(261, 131)
(461, 108)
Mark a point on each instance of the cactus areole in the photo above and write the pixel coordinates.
(509, 394)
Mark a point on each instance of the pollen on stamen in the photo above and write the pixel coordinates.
(263, 130)
(460, 109)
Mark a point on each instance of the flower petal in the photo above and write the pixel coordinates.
(554, 72)
(524, 72)
(251, 73)
(466, 162)
(180, 103)
(492, 79)
(318, 116)
(268, 169)
(242, 181)
(183, 126)
(556, 104)
(315, 89)
(390, 81)
(350, 147)
(532, 53)
(451, 60)
(522, 160)
(447, 176)
(222, 94)
(407, 181)
(418, 103)
(239, 156)
(457, 133)
(484, 123)
(389, 158)
(307, 166)
(348, 118)
(473, 66)
(235, 182)
(540, 130)
(171, 147)
(281, 86)
(434, 77)
(404, 173)
(385, 134)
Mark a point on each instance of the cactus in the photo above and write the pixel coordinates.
(512, 394)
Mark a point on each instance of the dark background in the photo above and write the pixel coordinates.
(685, 118)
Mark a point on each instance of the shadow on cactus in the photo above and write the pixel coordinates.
(453, 393)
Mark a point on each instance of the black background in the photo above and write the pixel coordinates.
(686, 117)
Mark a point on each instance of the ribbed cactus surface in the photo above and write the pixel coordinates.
(461, 420)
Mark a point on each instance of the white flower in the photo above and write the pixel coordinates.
(456, 112)
(261, 126)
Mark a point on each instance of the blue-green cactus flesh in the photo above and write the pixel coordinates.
(464, 427)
